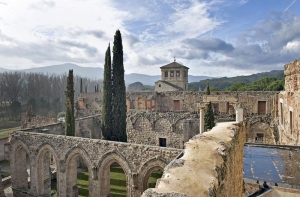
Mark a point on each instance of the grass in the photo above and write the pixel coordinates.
(9, 124)
(117, 182)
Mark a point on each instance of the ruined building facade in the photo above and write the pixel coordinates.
(289, 105)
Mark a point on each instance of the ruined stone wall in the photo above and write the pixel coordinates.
(56, 129)
(149, 127)
(136, 160)
(212, 165)
(263, 130)
(289, 105)
(189, 101)
(88, 127)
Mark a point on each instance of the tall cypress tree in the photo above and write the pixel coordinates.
(209, 119)
(107, 96)
(80, 85)
(207, 89)
(69, 118)
(118, 92)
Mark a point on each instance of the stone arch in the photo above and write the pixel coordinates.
(146, 170)
(104, 169)
(261, 132)
(163, 125)
(142, 124)
(43, 162)
(19, 173)
(178, 126)
(71, 170)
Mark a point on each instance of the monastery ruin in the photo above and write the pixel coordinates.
(165, 130)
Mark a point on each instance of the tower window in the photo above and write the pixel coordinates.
(171, 73)
(177, 73)
(166, 73)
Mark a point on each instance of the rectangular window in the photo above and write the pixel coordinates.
(261, 107)
(171, 73)
(177, 73)
(163, 142)
(166, 73)
(185, 74)
(176, 105)
(259, 138)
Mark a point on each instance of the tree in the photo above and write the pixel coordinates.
(118, 92)
(70, 119)
(207, 90)
(209, 119)
(80, 85)
(106, 123)
(15, 111)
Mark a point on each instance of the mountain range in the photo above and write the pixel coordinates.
(97, 73)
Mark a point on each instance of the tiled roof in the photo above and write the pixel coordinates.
(174, 65)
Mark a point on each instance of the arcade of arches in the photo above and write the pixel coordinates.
(62, 152)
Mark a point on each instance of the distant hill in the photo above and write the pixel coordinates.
(4, 70)
(225, 82)
(97, 73)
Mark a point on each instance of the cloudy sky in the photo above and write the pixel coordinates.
(212, 37)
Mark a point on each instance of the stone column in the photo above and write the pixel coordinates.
(201, 117)
(239, 115)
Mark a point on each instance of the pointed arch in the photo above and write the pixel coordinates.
(147, 168)
(71, 169)
(104, 169)
(43, 158)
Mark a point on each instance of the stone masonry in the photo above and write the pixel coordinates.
(137, 161)
(149, 127)
(212, 165)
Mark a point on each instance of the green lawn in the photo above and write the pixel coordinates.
(117, 182)
(8, 126)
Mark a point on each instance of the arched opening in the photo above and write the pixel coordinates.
(114, 175)
(78, 178)
(22, 169)
(117, 180)
(47, 172)
(150, 172)
(151, 177)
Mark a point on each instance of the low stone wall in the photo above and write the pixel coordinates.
(212, 165)
(56, 129)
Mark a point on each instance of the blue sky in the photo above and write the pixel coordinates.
(214, 38)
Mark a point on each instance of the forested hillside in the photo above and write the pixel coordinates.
(224, 83)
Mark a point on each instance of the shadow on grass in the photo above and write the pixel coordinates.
(83, 192)
(118, 182)
(118, 195)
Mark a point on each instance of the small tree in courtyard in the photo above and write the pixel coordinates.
(69, 118)
(209, 119)
(207, 89)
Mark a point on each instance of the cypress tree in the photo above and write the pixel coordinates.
(118, 92)
(209, 119)
(69, 118)
(107, 96)
(80, 85)
(207, 90)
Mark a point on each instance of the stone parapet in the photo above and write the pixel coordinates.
(212, 165)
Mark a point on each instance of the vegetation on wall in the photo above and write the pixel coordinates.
(69, 118)
(118, 92)
(106, 123)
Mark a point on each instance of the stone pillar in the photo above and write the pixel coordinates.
(239, 115)
(201, 117)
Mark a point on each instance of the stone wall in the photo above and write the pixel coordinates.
(56, 129)
(88, 127)
(137, 161)
(289, 105)
(149, 127)
(212, 165)
(189, 101)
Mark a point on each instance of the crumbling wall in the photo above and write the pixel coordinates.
(88, 127)
(212, 165)
(149, 127)
(289, 105)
